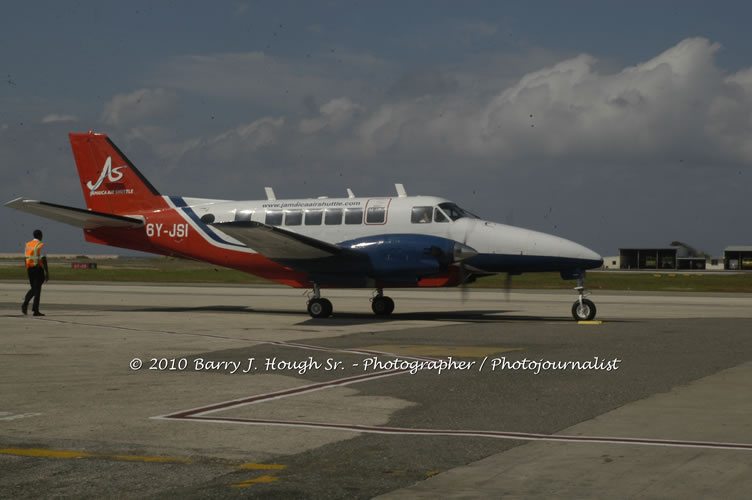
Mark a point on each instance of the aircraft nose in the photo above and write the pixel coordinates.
(590, 258)
(566, 249)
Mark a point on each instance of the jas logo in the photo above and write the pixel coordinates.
(112, 174)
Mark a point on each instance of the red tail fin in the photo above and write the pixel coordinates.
(110, 182)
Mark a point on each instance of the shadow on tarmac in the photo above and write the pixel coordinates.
(349, 318)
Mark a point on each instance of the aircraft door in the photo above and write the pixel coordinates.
(377, 211)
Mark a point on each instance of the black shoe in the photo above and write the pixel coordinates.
(24, 309)
(37, 313)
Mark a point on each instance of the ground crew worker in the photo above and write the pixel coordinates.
(36, 267)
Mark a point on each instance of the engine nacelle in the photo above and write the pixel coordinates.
(408, 257)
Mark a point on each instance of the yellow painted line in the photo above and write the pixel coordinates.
(432, 473)
(590, 322)
(441, 350)
(258, 480)
(657, 276)
(253, 466)
(39, 452)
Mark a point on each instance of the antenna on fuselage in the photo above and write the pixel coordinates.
(350, 194)
(270, 193)
(401, 190)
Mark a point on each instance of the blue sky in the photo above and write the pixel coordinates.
(640, 130)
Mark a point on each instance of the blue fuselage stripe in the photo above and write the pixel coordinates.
(182, 205)
(497, 263)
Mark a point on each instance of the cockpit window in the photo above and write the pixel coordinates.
(438, 216)
(454, 212)
(421, 215)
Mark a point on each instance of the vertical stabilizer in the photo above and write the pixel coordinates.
(110, 182)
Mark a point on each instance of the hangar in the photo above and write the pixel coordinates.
(651, 257)
(738, 257)
(668, 258)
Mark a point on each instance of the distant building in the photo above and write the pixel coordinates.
(738, 257)
(656, 258)
(611, 262)
(677, 258)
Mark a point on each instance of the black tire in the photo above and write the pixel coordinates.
(586, 312)
(328, 307)
(382, 306)
(319, 308)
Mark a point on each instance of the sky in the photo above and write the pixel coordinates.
(613, 124)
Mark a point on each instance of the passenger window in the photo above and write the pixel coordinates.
(438, 216)
(353, 216)
(243, 215)
(376, 215)
(333, 216)
(313, 217)
(421, 215)
(273, 218)
(293, 217)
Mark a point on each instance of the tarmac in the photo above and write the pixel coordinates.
(138, 391)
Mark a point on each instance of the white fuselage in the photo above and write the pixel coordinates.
(364, 217)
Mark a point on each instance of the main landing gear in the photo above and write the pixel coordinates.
(583, 309)
(319, 307)
(381, 304)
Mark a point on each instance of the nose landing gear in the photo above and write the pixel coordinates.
(583, 309)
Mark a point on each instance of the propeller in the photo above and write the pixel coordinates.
(461, 253)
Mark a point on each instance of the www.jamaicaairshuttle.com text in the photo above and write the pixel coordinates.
(378, 364)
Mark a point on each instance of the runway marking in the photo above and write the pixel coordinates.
(259, 480)
(44, 453)
(284, 393)
(253, 466)
(520, 436)
(7, 416)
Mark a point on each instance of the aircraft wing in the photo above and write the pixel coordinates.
(79, 217)
(279, 244)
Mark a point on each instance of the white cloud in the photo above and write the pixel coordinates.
(334, 114)
(677, 103)
(52, 118)
(139, 105)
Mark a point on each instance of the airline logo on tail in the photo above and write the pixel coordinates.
(112, 175)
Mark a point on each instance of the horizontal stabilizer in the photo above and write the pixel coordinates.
(277, 244)
(78, 217)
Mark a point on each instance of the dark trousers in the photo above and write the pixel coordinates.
(36, 278)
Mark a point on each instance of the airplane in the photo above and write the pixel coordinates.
(354, 242)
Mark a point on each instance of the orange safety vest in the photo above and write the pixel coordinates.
(33, 253)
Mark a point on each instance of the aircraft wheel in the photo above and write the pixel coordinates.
(320, 308)
(584, 312)
(382, 306)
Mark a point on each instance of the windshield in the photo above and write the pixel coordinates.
(454, 212)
